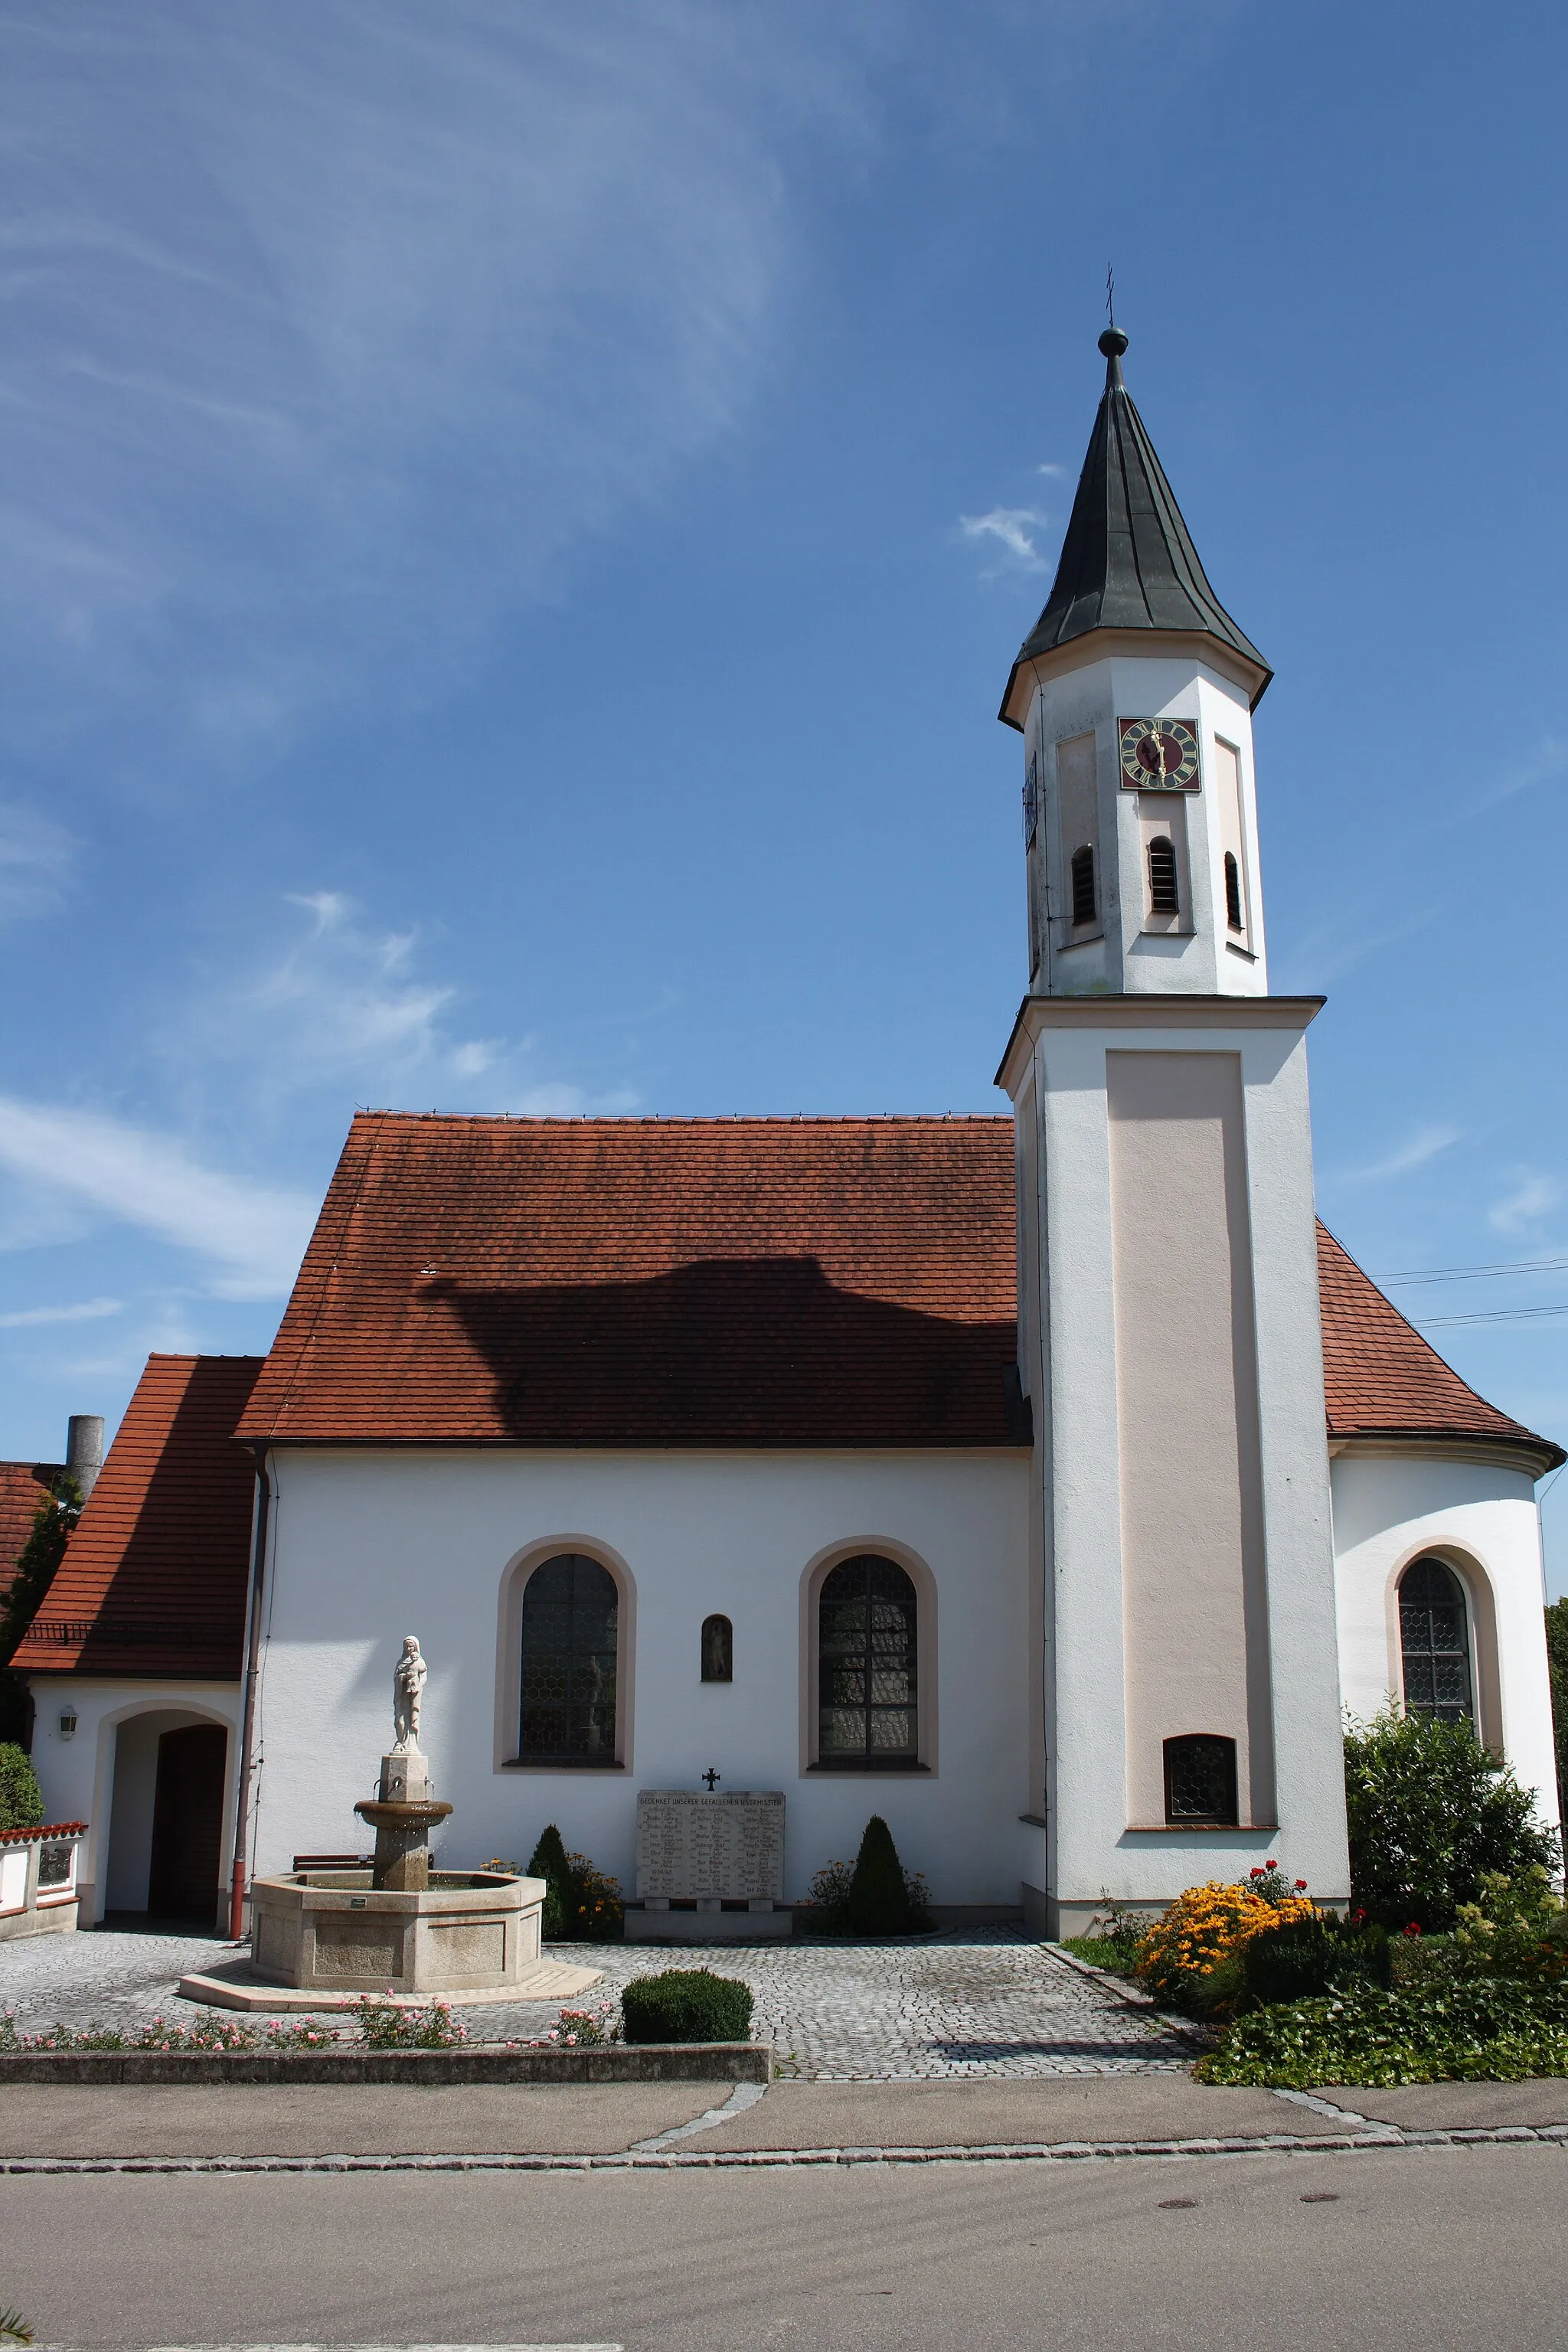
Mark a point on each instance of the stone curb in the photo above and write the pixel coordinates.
(1162, 2151)
(646, 2062)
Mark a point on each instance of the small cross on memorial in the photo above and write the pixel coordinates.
(711, 1777)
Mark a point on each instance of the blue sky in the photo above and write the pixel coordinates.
(517, 518)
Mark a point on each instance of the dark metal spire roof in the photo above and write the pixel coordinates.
(1128, 560)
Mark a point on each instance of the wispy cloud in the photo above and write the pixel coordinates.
(251, 1235)
(1058, 473)
(1330, 951)
(1546, 762)
(332, 327)
(1010, 530)
(1533, 1197)
(351, 1004)
(1423, 1144)
(36, 860)
(90, 1310)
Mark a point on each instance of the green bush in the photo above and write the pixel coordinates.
(1557, 1663)
(1306, 1956)
(1431, 1812)
(876, 1895)
(1483, 2030)
(581, 1905)
(21, 1799)
(686, 2005)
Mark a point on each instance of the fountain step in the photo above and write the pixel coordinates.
(238, 1986)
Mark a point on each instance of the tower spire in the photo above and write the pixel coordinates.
(1128, 560)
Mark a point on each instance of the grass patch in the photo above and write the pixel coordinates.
(1101, 1952)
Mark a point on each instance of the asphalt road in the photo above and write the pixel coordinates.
(1433, 2248)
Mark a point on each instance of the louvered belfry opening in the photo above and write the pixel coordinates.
(1082, 870)
(1233, 892)
(1200, 1780)
(1163, 897)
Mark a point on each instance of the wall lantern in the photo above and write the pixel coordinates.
(68, 1723)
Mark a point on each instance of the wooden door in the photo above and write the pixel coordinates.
(187, 1824)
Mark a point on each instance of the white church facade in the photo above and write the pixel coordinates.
(1050, 1485)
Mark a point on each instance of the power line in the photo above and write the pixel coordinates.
(1501, 1315)
(1472, 1273)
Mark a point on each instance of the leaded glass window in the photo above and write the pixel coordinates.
(867, 1687)
(1435, 1642)
(570, 1620)
(1200, 1780)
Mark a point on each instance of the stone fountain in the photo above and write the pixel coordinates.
(323, 1937)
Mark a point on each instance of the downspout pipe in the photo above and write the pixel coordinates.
(247, 1720)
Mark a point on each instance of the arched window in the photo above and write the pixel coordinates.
(1163, 896)
(1200, 1781)
(1083, 905)
(1233, 915)
(1435, 1642)
(571, 1613)
(717, 1650)
(867, 1666)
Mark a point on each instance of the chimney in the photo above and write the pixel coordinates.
(84, 1450)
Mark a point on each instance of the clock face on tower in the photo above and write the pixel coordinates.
(1158, 755)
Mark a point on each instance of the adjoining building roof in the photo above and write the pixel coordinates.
(746, 1282)
(154, 1576)
(1128, 560)
(1381, 1379)
(23, 1486)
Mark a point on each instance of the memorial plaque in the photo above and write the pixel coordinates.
(722, 1848)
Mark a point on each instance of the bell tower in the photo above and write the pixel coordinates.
(1188, 1719)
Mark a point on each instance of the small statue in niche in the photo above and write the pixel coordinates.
(717, 1650)
(407, 1694)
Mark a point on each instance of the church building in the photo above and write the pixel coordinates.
(1049, 1483)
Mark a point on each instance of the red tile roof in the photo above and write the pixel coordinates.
(748, 1281)
(153, 1580)
(649, 1282)
(1381, 1379)
(23, 1486)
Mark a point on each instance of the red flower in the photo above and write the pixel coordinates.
(1301, 1887)
(1272, 1865)
(1414, 1928)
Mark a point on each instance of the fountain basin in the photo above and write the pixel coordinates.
(336, 1931)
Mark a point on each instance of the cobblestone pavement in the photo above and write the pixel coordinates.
(976, 2003)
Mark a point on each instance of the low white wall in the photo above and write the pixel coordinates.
(79, 1777)
(1482, 1520)
(368, 1547)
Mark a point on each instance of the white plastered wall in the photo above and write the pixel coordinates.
(78, 1775)
(1480, 1517)
(367, 1546)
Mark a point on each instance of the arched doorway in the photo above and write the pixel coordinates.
(165, 1837)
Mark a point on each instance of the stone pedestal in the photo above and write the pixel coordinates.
(332, 1930)
(708, 1867)
(403, 1814)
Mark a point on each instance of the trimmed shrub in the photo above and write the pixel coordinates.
(1431, 1812)
(21, 1799)
(686, 2005)
(581, 1905)
(548, 1862)
(873, 1895)
(1303, 1958)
